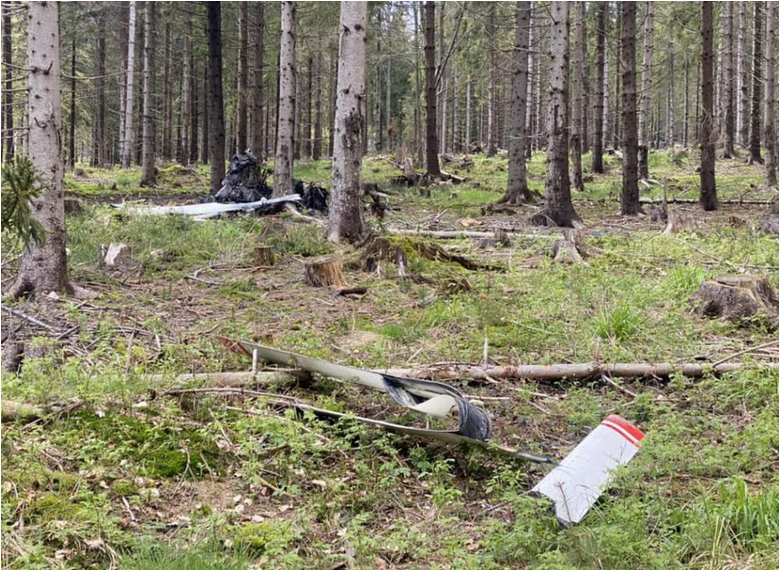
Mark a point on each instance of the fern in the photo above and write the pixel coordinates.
(22, 184)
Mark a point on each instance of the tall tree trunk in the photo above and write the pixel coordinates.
(708, 198)
(518, 191)
(468, 119)
(148, 178)
(670, 100)
(755, 103)
(771, 97)
(168, 96)
(630, 202)
(728, 81)
(333, 102)
(644, 116)
(686, 104)
(433, 167)
(600, 63)
(586, 72)
(217, 125)
(618, 73)
(742, 76)
(580, 34)
(206, 118)
(345, 209)
(558, 208)
(44, 267)
(126, 150)
(608, 114)
(99, 138)
(492, 99)
(193, 111)
(183, 151)
(417, 106)
(455, 111)
(256, 99)
(8, 94)
(284, 154)
(307, 139)
(319, 128)
(444, 103)
(241, 111)
(72, 122)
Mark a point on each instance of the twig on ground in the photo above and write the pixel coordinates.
(743, 352)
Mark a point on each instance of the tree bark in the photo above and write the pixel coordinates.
(72, 122)
(256, 103)
(206, 117)
(686, 104)
(284, 153)
(417, 94)
(644, 116)
(183, 151)
(8, 94)
(558, 208)
(217, 125)
(708, 197)
(518, 191)
(168, 104)
(670, 101)
(771, 98)
(126, 150)
(742, 76)
(99, 132)
(345, 211)
(755, 103)
(728, 81)
(307, 139)
(43, 267)
(492, 99)
(600, 63)
(617, 110)
(148, 178)
(318, 136)
(630, 202)
(241, 111)
(577, 108)
(433, 166)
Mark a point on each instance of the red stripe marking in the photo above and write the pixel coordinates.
(630, 428)
(621, 432)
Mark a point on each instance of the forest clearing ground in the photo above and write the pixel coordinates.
(191, 482)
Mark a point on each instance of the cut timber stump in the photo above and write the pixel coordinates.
(264, 255)
(324, 271)
(115, 255)
(737, 297)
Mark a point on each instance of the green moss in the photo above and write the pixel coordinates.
(124, 488)
(265, 538)
(50, 507)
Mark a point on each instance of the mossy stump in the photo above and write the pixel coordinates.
(737, 297)
(324, 271)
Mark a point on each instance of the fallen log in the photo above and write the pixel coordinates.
(669, 200)
(234, 378)
(446, 234)
(569, 371)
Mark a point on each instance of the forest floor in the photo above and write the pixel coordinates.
(134, 479)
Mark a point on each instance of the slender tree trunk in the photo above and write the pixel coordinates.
(728, 81)
(630, 202)
(417, 106)
(468, 119)
(586, 72)
(43, 268)
(755, 103)
(686, 104)
(256, 96)
(608, 114)
(433, 166)
(670, 101)
(492, 99)
(600, 63)
(558, 208)
(168, 104)
(708, 197)
(217, 125)
(8, 94)
(148, 178)
(518, 191)
(618, 74)
(307, 140)
(455, 111)
(333, 103)
(242, 74)
(742, 76)
(345, 209)
(99, 139)
(206, 118)
(284, 154)
(318, 137)
(771, 97)
(644, 116)
(72, 122)
(183, 151)
(126, 151)
(580, 34)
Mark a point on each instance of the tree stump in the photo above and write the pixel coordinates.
(737, 297)
(679, 221)
(769, 223)
(115, 255)
(264, 255)
(324, 271)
